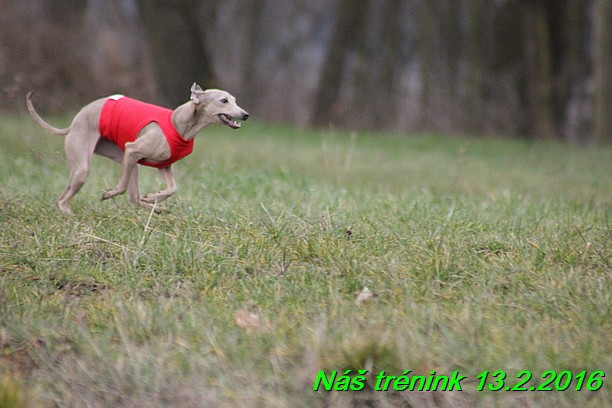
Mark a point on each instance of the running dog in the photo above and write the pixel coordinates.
(131, 132)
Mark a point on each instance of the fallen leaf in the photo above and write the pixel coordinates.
(244, 318)
(364, 296)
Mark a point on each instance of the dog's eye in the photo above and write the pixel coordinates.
(224, 100)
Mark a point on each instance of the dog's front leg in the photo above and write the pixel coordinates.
(128, 166)
(166, 173)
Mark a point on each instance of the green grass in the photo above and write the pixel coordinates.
(483, 255)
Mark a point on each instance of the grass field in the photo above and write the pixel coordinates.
(480, 254)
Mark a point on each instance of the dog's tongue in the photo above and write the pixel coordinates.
(234, 125)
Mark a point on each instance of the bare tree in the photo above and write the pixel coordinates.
(602, 126)
(475, 66)
(427, 52)
(376, 59)
(570, 34)
(253, 19)
(178, 48)
(538, 69)
(350, 17)
(392, 38)
(379, 67)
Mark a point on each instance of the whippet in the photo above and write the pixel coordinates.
(131, 132)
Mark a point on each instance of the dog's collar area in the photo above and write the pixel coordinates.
(228, 120)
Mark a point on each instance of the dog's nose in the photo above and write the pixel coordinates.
(245, 115)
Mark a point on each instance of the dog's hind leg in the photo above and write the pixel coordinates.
(79, 170)
(79, 145)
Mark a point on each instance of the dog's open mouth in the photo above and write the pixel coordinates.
(226, 119)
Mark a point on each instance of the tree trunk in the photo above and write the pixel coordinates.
(65, 11)
(538, 65)
(602, 109)
(178, 47)
(572, 103)
(350, 19)
(251, 87)
(426, 50)
(475, 67)
(392, 64)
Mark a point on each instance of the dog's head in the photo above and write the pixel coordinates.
(219, 104)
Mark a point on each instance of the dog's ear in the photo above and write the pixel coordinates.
(197, 94)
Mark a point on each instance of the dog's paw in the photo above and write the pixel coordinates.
(109, 194)
(156, 209)
(149, 198)
(65, 209)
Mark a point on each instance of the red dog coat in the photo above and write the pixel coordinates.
(123, 118)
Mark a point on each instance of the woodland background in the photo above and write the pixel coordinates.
(540, 69)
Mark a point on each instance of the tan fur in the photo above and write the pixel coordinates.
(83, 139)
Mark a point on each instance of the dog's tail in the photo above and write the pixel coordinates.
(41, 121)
